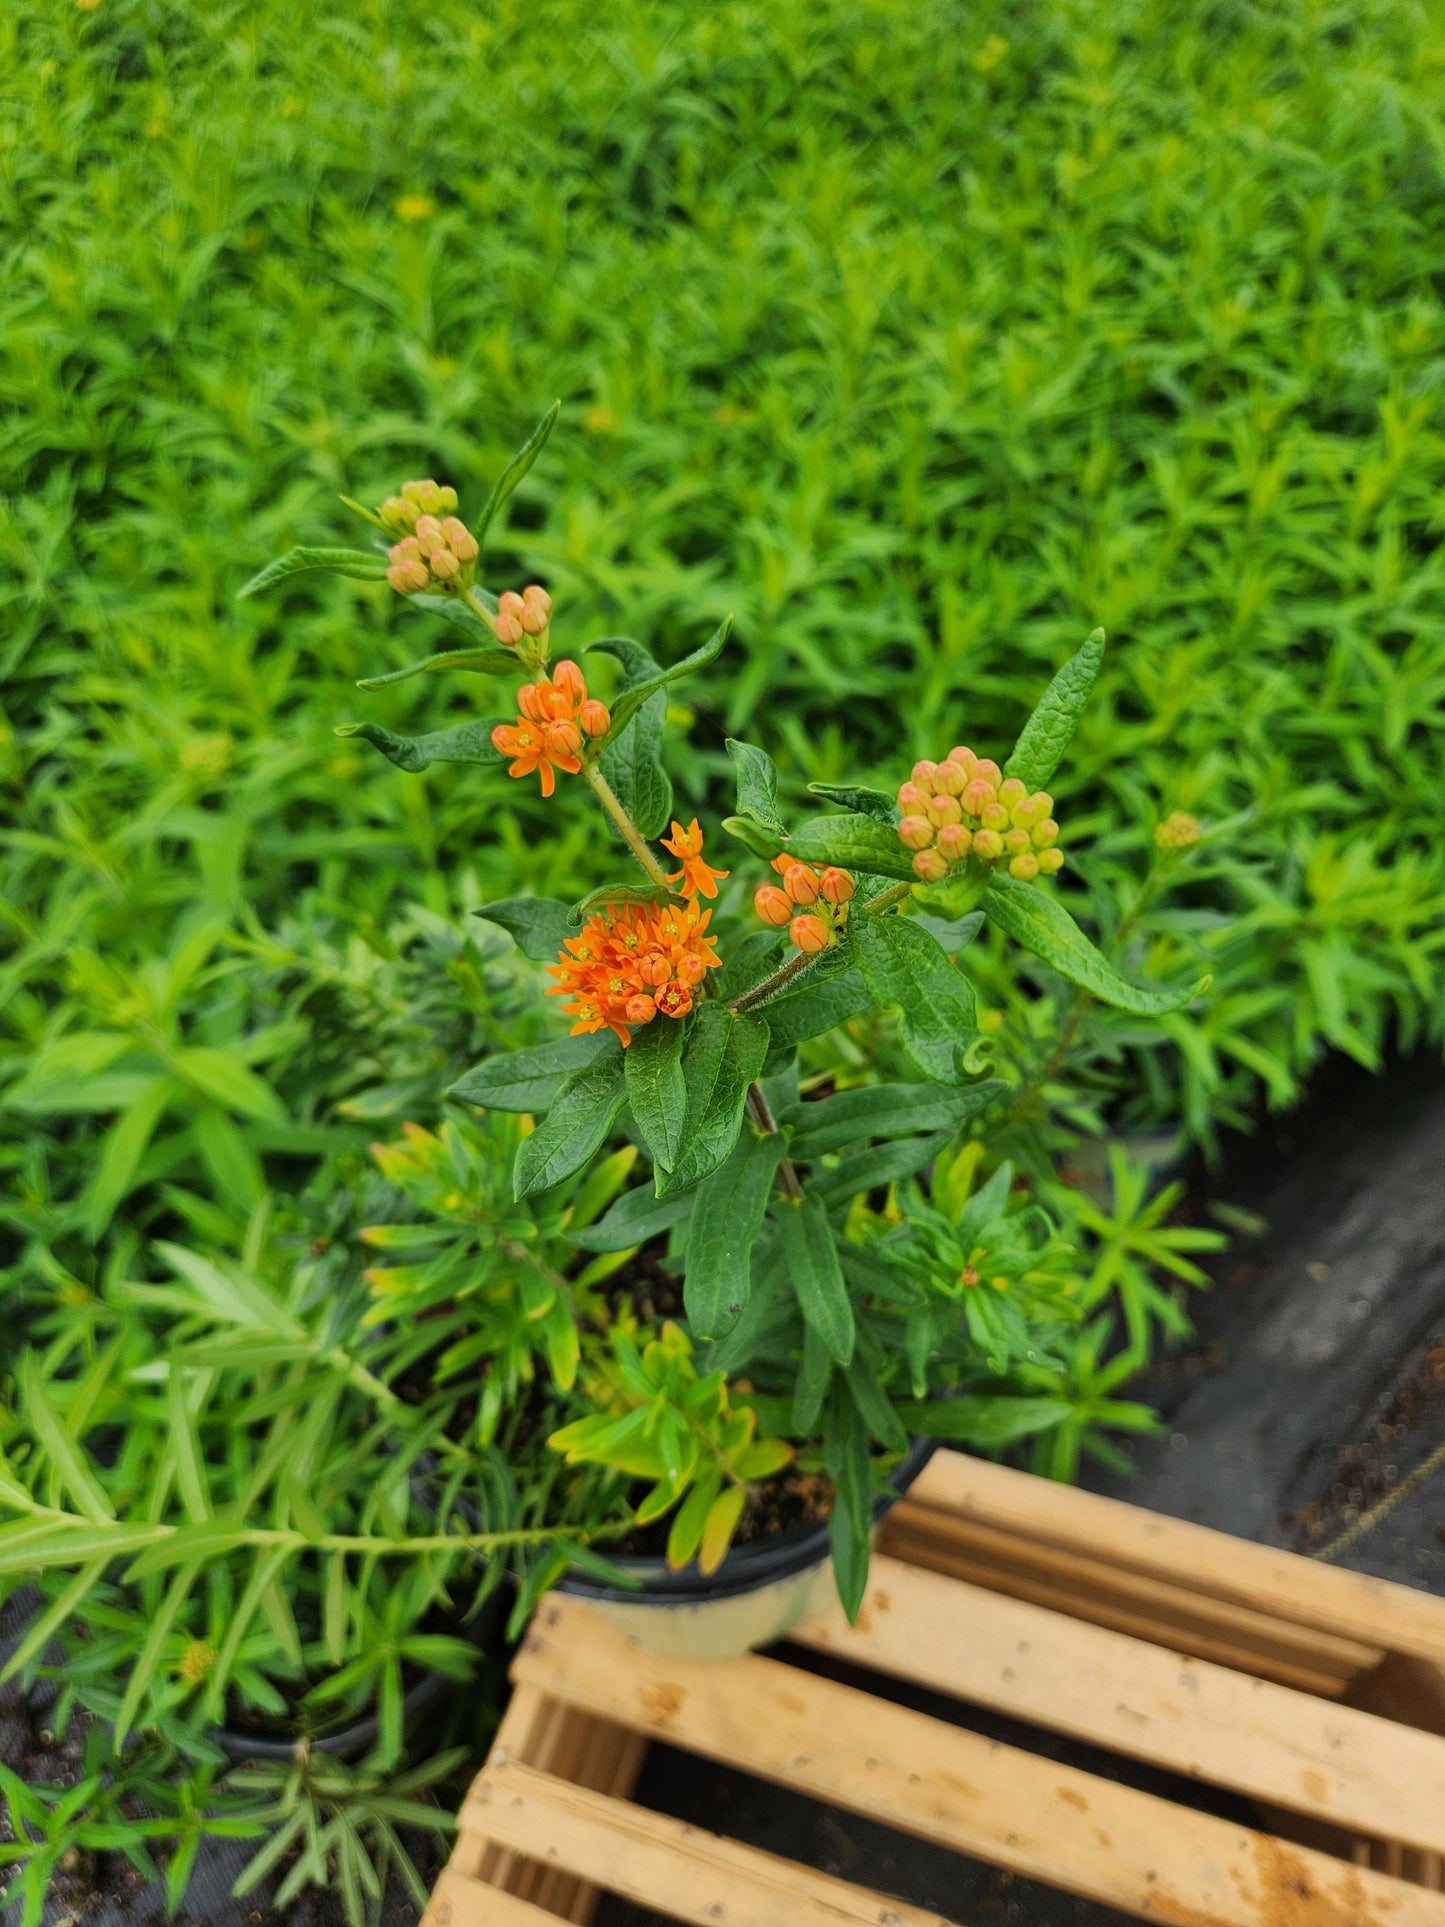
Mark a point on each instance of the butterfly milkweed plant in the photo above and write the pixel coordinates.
(727, 1276)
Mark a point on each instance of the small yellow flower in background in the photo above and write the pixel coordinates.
(1177, 832)
(990, 54)
(197, 1658)
(415, 207)
(86, 6)
(599, 420)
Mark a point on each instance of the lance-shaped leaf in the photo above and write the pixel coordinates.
(480, 662)
(1037, 920)
(762, 843)
(883, 1164)
(726, 1220)
(581, 1116)
(903, 965)
(617, 894)
(365, 564)
(863, 802)
(825, 999)
(631, 757)
(529, 1080)
(724, 1053)
(656, 1089)
(515, 470)
(850, 1467)
(459, 614)
(976, 1418)
(636, 1217)
(757, 785)
(466, 743)
(1049, 731)
(753, 960)
(886, 1110)
(853, 843)
(632, 699)
(539, 925)
(817, 1277)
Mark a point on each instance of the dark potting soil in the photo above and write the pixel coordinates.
(1313, 1390)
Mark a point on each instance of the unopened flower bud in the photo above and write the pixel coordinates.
(954, 841)
(398, 513)
(690, 970)
(836, 886)
(944, 809)
(508, 630)
(533, 703)
(923, 775)
(988, 844)
(915, 832)
(444, 565)
(912, 800)
(976, 796)
(429, 534)
(988, 772)
(810, 934)
(407, 577)
(569, 679)
(537, 609)
(965, 759)
(1177, 832)
(1050, 862)
(1045, 835)
(951, 779)
(1015, 841)
(1011, 791)
(1042, 804)
(772, 905)
(801, 883)
(1025, 867)
(563, 738)
(418, 492)
(460, 540)
(595, 717)
(655, 969)
(446, 498)
(640, 1009)
(995, 816)
(930, 866)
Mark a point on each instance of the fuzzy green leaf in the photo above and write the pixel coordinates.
(62, 1451)
(539, 926)
(529, 1080)
(632, 699)
(982, 1420)
(761, 843)
(724, 1053)
(850, 1466)
(886, 1110)
(903, 965)
(617, 894)
(726, 1220)
(1049, 731)
(480, 662)
(580, 1118)
(364, 564)
(465, 743)
(854, 843)
(1037, 920)
(656, 1091)
(757, 785)
(863, 802)
(515, 470)
(831, 993)
(637, 1216)
(817, 1278)
(631, 757)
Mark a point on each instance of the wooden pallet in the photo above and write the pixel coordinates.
(1317, 1694)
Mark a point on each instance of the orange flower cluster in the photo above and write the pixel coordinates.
(632, 961)
(696, 874)
(556, 712)
(965, 806)
(813, 904)
(436, 550)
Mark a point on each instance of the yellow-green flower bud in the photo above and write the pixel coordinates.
(1011, 791)
(1016, 841)
(1025, 867)
(1045, 835)
(1050, 862)
(988, 844)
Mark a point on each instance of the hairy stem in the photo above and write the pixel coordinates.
(795, 966)
(626, 828)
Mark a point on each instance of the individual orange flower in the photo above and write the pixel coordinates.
(547, 736)
(632, 961)
(695, 875)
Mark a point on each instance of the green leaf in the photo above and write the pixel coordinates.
(863, 802)
(726, 1220)
(365, 564)
(637, 1216)
(762, 843)
(63, 1545)
(724, 1053)
(849, 1465)
(223, 1076)
(1037, 920)
(810, 1388)
(756, 957)
(722, 1523)
(480, 662)
(149, 1656)
(811, 1257)
(984, 1421)
(466, 743)
(829, 995)
(853, 843)
(125, 1146)
(515, 470)
(579, 1120)
(886, 1110)
(691, 1516)
(875, 1407)
(190, 1463)
(903, 965)
(1049, 731)
(59, 1447)
(656, 1090)
(632, 699)
(631, 757)
(529, 1080)
(618, 894)
(539, 926)
(460, 614)
(881, 1164)
(46, 1625)
(954, 933)
(757, 785)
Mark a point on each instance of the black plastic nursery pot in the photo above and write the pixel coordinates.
(758, 1594)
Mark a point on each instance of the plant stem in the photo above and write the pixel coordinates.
(761, 1112)
(626, 828)
(795, 966)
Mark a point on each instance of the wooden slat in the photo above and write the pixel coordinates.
(1207, 1722)
(662, 1863)
(458, 1900)
(1131, 1602)
(1052, 1823)
(1352, 1605)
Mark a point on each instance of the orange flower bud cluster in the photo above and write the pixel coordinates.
(436, 555)
(556, 713)
(401, 512)
(519, 616)
(813, 903)
(1180, 831)
(966, 806)
(632, 962)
